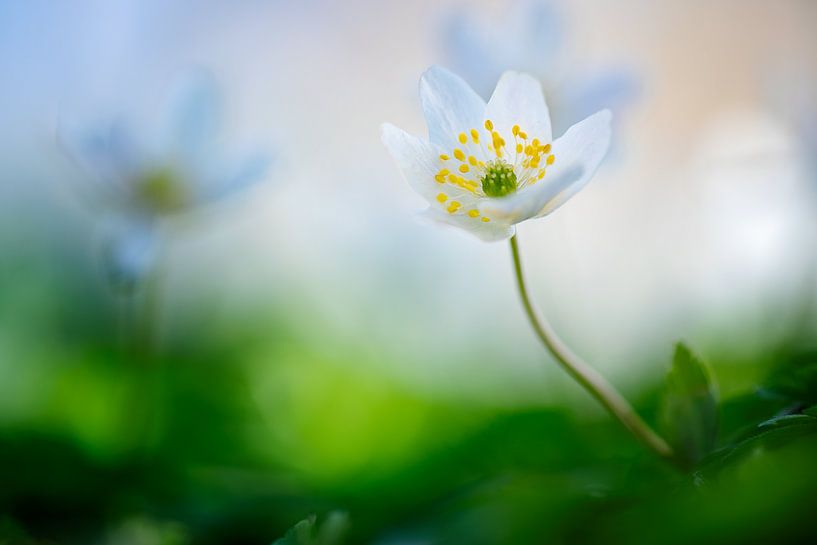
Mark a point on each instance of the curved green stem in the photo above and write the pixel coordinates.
(585, 375)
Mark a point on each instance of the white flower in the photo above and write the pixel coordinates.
(488, 167)
(137, 178)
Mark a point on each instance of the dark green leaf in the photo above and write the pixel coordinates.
(300, 534)
(689, 408)
(772, 433)
(787, 420)
(333, 529)
(306, 532)
(796, 379)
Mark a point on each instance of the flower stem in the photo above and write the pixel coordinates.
(585, 375)
(143, 402)
(150, 315)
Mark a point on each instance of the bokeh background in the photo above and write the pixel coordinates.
(316, 349)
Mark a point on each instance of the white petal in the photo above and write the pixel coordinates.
(419, 163)
(234, 177)
(109, 154)
(528, 202)
(193, 116)
(518, 100)
(583, 145)
(491, 231)
(90, 148)
(450, 106)
(578, 155)
(130, 247)
(418, 160)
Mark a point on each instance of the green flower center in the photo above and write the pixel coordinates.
(162, 191)
(499, 179)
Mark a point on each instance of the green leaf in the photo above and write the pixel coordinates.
(786, 420)
(300, 534)
(772, 433)
(334, 528)
(306, 532)
(689, 408)
(796, 378)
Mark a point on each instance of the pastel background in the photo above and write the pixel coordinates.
(320, 349)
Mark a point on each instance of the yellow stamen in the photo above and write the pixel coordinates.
(458, 153)
(463, 138)
(486, 220)
(489, 125)
(442, 197)
(551, 159)
(473, 213)
(475, 136)
(453, 207)
(464, 168)
(444, 157)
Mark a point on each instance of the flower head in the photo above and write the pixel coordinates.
(138, 178)
(486, 167)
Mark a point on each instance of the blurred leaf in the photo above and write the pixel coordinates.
(147, 531)
(738, 416)
(300, 534)
(689, 408)
(12, 534)
(786, 420)
(331, 532)
(772, 433)
(796, 379)
(333, 529)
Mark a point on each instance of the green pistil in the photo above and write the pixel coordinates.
(162, 191)
(499, 179)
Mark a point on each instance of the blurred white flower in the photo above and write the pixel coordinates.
(137, 178)
(487, 167)
(532, 36)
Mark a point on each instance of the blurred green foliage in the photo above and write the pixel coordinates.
(689, 409)
(307, 532)
(237, 428)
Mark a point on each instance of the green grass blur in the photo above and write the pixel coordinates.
(236, 426)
